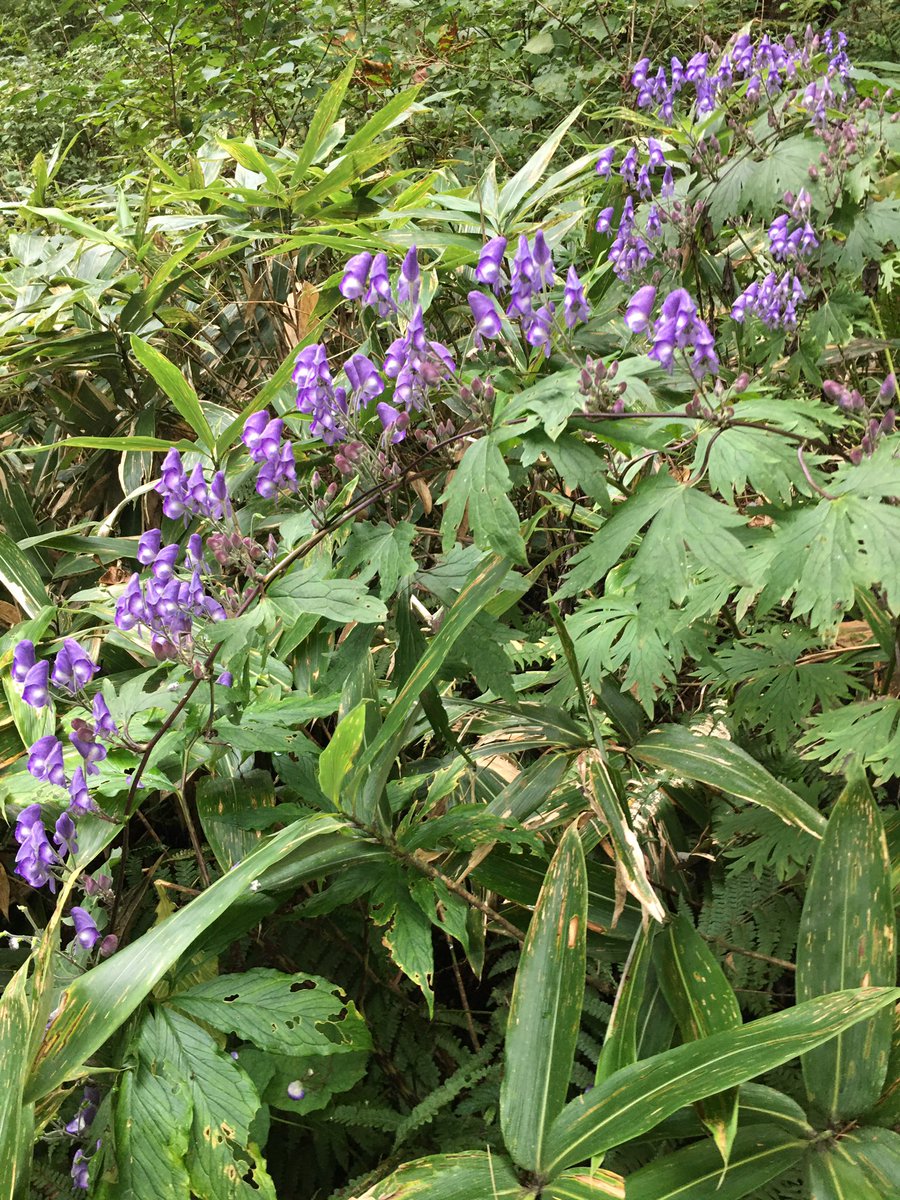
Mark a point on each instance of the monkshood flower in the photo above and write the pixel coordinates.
(788, 239)
(318, 397)
(378, 294)
(605, 161)
(490, 262)
(79, 797)
(774, 301)
(640, 308)
(629, 252)
(73, 667)
(604, 220)
(64, 835)
(35, 856)
(184, 495)
(87, 1110)
(409, 282)
(679, 327)
(45, 761)
(487, 319)
(356, 274)
(416, 364)
(82, 738)
(365, 382)
(262, 437)
(23, 660)
(36, 690)
(86, 932)
(575, 305)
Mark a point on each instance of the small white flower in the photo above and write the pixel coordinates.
(254, 885)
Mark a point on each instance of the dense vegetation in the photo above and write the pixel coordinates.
(450, 593)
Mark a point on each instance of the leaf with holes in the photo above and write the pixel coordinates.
(280, 1013)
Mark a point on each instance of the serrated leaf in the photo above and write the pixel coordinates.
(847, 939)
(545, 1010)
(383, 550)
(280, 1013)
(637, 1098)
(482, 482)
(340, 600)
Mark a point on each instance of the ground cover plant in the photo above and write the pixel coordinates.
(453, 651)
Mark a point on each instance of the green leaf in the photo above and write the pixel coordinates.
(847, 939)
(545, 1011)
(322, 120)
(340, 600)
(482, 482)
(620, 1046)
(93, 1007)
(408, 941)
(516, 189)
(585, 1185)
(393, 111)
(337, 759)
(703, 1003)
(19, 576)
(175, 386)
(833, 1175)
(720, 764)
(16, 1118)
(470, 1175)
(221, 801)
(759, 1155)
(877, 1152)
(383, 550)
(322, 1076)
(629, 855)
(279, 1013)
(640, 1096)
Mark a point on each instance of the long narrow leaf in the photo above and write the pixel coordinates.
(175, 386)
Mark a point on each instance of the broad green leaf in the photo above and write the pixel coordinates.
(96, 1004)
(545, 1010)
(337, 759)
(847, 939)
(833, 1175)
(482, 484)
(470, 1175)
(250, 158)
(322, 1076)
(16, 1117)
(58, 216)
(640, 1096)
(759, 1155)
(280, 1013)
(516, 189)
(220, 801)
(19, 576)
(703, 1003)
(132, 442)
(720, 764)
(887, 1110)
(629, 855)
(876, 1152)
(322, 120)
(393, 111)
(153, 1116)
(591, 1184)
(620, 1046)
(409, 940)
(340, 600)
(765, 1105)
(174, 385)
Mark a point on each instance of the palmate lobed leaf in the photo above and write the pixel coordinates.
(638, 1097)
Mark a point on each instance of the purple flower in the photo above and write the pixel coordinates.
(318, 397)
(604, 220)
(667, 188)
(80, 797)
(109, 945)
(87, 1110)
(45, 760)
(379, 294)
(295, 1090)
(888, 389)
(35, 855)
(538, 328)
(253, 427)
(408, 285)
(575, 304)
(226, 679)
(605, 161)
(628, 169)
(23, 660)
(393, 421)
(92, 752)
(364, 380)
(679, 327)
(774, 301)
(543, 260)
(26, 820)
(64, 835)
(163, 567)
(36, 690)
(148, 546)
(487, 319)
(490, 261)
(356, 272)
(73, 668)
(86, 932)
(640, 306)
(80, 1175)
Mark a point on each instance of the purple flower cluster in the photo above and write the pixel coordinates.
(774, 301)
(765, 68)
(72, 670)
(366, 279)
(262, 437)
(329, 404)
(529, 281)
(630, 252)
(678, 327)
(791, 235)
(166, 605)
(185, 495)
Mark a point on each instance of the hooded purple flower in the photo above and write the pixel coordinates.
(604, 220)
(487, 319)
(36, 690)
(86, 932)
(318, 397)
(226, 679)
(253, 427)
(73, 668)
(364, 380)
(23, 660)
(640, 306)
(64, 835)
(87, 1110)
(80, 1173)
(408, 285)
(575, 304)
(80, 797)
(393, 421)
(35, 855)
(45, 760)
(148, 546)
(92, 752)
(605, 161)
(379, 294)
(356, 272)
(490, 261)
